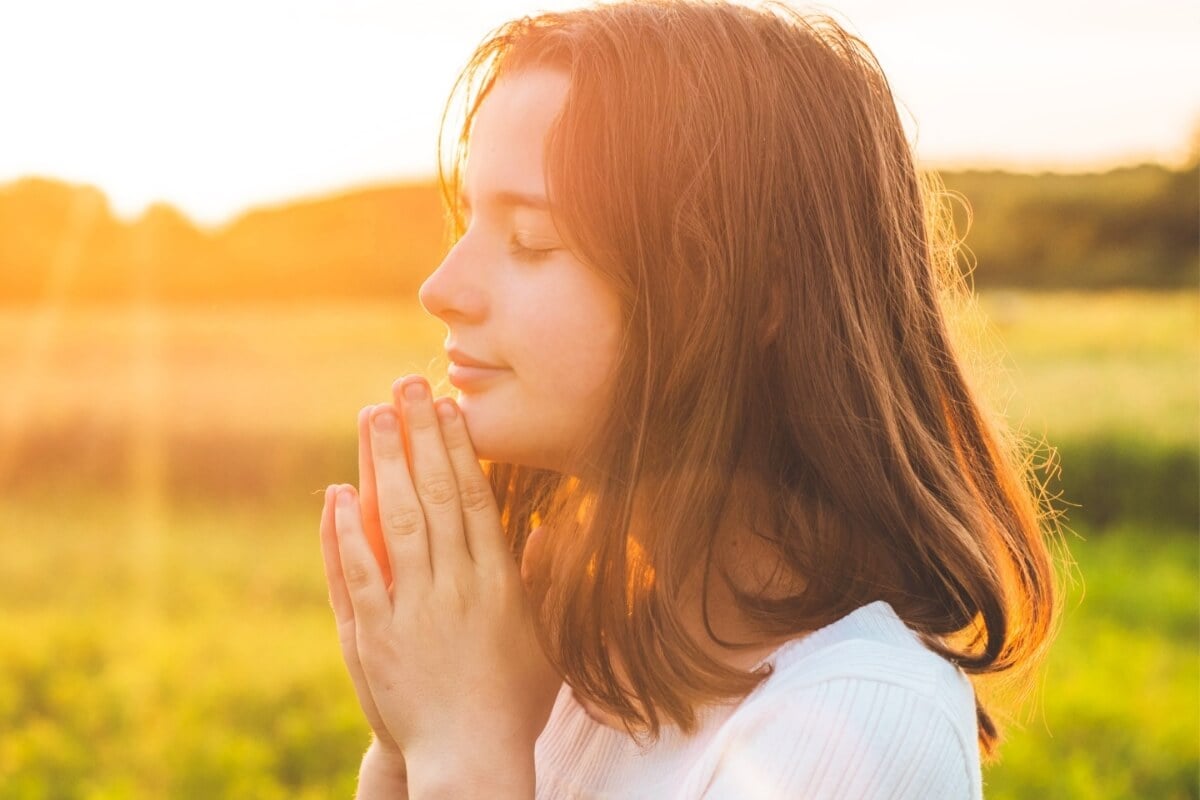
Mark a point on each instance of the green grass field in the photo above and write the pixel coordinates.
(163, 624)
(1075, 365)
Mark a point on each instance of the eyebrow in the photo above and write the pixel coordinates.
(510, 199)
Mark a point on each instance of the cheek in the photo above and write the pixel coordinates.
(575, 347)
(563, 351)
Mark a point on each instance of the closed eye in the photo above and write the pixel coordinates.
(532, 254)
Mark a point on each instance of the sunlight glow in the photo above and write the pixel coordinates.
(218, 106)
(148, 500)
(22, 378)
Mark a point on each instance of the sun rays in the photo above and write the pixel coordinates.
(29, 370)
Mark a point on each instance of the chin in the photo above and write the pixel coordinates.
(497, 434)
(491, 429)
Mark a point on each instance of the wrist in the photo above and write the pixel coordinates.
(480, 773)
(382, 774)
(386, 759)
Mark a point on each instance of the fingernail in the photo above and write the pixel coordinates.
(446, 411)
(385, 421)
(345, 497)
(415, 390)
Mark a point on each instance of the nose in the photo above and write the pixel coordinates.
(452, 292)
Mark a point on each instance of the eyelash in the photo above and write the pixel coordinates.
(530, 254)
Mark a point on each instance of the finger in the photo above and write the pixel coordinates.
(480, 514)
(339, 598)
(368, 496)
(364, 580)
(400, 513)
(433, 478)
(343, 613)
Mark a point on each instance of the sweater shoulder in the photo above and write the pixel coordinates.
(858, 709)
(863, 705)
(871, 645)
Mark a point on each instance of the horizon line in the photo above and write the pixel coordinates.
(1029, 167)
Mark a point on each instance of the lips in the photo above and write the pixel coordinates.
(464, 360)
(470, 379)
(469, 373)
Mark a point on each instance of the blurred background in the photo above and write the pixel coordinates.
(214, 218)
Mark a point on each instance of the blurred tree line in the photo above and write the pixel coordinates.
(1131, 227)
(367, 243)
(1135, 227)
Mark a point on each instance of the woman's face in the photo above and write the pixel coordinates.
(511, 295)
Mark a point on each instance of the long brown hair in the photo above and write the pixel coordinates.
(743, 180)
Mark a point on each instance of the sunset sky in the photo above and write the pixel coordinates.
(220, 105)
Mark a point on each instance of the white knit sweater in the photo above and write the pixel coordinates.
(859, 709)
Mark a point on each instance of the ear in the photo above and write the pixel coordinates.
(534, 548)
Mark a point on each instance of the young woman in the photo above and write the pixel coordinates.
(743, 529)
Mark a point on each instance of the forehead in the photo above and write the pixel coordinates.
(507, 145)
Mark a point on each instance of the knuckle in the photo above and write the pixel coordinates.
(476, 496)
(423, 419)
(438, 490)
(405, 521)
(357, 575)
(347, 634)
